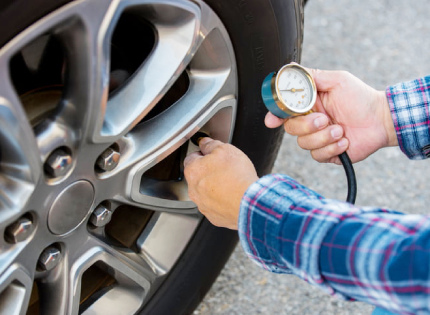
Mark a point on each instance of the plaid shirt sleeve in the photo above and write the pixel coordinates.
(409, 104)
(373, 255)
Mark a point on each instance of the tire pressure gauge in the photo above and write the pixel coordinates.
(291, 91)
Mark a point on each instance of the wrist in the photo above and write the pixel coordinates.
(387, 119)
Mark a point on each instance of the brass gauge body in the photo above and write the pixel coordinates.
(291, 91)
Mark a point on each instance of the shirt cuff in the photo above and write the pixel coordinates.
(409, 105)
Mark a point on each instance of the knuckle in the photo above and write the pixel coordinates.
(322, 155)
(192, 195)
(291, 127)
(333, 150)
(301, 141)
(325, 138)
(317, 71)
(298, 126)
(345, 73)
(188, 173)
(288, 129)
(314, 141)
(192, 172)
(223, 150)
(220, 147)
(215, 144)
(316, 156)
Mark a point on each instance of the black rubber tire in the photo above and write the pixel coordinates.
(265, 34)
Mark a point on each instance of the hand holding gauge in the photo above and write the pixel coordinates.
(291, 91)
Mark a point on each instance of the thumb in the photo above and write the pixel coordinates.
(207, 145)
(271, 121)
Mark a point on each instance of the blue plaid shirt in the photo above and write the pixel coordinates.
(369, 254)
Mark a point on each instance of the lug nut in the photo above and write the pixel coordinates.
(58, 163)
(49, 258)
(101, 216)
(19, 230)
(108, 160)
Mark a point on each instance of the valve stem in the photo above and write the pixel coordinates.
(195, 139)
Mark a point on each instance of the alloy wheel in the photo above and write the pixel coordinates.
(98, 102)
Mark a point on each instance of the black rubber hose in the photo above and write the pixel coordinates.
(350, 177)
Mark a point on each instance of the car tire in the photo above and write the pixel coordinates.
(262, 44)
(265, 34)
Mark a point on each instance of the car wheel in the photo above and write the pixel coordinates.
(98, 101)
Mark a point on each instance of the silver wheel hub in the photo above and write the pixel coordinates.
(94, 208)
(71, 207)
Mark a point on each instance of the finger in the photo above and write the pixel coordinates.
(304, 125)
(330, 152)
(272, 121)
(207, 145)
(326, 80)
(321, 138)
(191, 158)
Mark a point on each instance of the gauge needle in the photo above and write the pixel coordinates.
(294, 90)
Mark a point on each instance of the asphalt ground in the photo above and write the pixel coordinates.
(381, 42)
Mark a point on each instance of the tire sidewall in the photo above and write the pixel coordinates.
(265, 35)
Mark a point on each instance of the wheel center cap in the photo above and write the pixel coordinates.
(71, 207)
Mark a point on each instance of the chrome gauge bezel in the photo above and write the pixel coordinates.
(277, 93)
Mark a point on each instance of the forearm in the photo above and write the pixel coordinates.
(282, 225)
(355, 253)
(380, 258)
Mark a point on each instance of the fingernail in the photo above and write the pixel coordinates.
(320, 122)
(336, 133)
(342, 142)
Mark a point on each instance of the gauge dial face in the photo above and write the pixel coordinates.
(295, 88)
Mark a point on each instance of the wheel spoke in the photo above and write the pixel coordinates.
(20, 162)
(165, 239)
(15, 291)
(120, 273)
(18, 140)
(177, 28)
(152, 240)
(17, 131)
(54, 292)
(87, 42)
